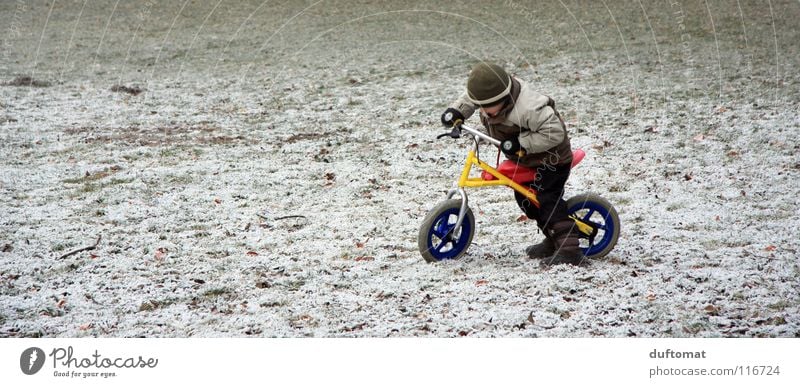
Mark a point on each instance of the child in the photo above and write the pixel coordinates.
(534, 136)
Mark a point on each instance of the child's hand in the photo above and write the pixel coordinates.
(511, 147)
(451, 116)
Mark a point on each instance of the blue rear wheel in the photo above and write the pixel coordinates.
(603, 217)
(438, 240)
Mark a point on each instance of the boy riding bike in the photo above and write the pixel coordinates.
(533, 135)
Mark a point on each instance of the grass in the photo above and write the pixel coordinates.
(91, 177)
(216, 292)
(92, 187)
(151, 305)
(780, 305)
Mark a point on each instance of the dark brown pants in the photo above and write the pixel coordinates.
(549, 185)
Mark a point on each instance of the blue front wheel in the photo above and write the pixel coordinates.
(438, 239)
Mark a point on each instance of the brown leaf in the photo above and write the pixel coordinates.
(522, 218)
(530, 318)
(132, 90)
(651, 297)
(217, 200)
(733, 153)
(688, 176)
(360, 245)
(711, 310)
(481, 282)
(770, 248)
(86, 327)
(263, 284)
(365, 258)
(61, 303)
(252, 253)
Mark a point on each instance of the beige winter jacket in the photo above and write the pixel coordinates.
(532, 118)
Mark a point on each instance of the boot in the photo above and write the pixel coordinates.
(565, 237)
(541, 250)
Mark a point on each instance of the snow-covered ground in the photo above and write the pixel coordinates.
(254, 113)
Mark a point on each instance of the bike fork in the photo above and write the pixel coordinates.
(462, 212)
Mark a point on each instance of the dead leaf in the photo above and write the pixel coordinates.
(721, 109)
(61, 303)
(651, 297)
(252, 253)
(481, 282)
(359, 245)
(770, 248)
(263, 284)
(522, 218)
(711, 310)
(86, 327)
(530, 318)
(217, 200)
(160, 254)
(732, 153)
(365, 258)
(93, 256)
(688, 176)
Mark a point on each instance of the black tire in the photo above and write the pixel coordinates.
(432, 228)
(600, 211)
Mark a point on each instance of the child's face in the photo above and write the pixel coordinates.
(492, 111)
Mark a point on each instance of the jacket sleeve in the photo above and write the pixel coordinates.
(545, 131)
(463, 105)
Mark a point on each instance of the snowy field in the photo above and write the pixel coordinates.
(262, 168)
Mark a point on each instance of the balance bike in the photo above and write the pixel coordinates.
(447, 230)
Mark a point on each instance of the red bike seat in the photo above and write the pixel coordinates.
(520, 174)
(577, 156)
(513, 171)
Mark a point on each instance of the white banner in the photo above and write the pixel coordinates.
(399, 362)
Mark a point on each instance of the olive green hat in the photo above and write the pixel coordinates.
(487, 84)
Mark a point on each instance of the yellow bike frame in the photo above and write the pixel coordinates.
(503, 180)
(466, 181)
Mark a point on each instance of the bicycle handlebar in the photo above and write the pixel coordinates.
(456, 133)
(481, 135)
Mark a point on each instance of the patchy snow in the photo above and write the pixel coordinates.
(269, 111)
